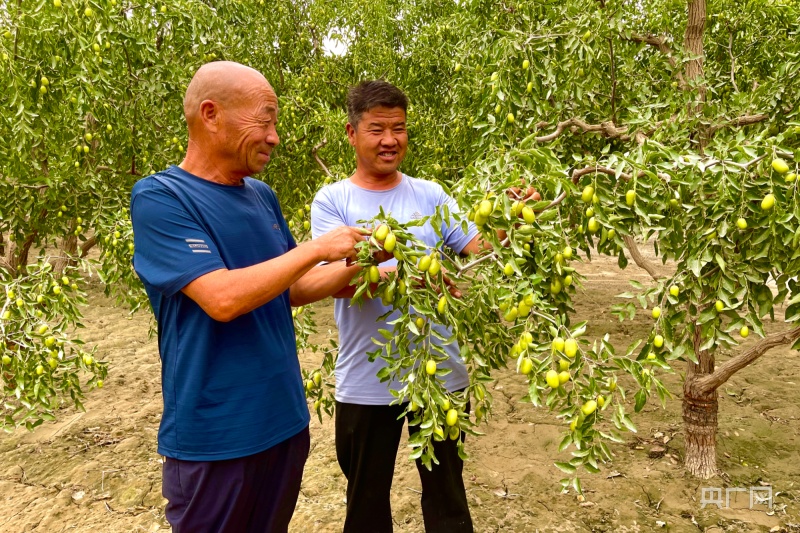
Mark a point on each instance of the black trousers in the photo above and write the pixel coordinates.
(253, 494)
(367, 438)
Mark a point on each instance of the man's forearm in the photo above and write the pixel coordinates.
(226, 294)
(325, 281)
(321, 282)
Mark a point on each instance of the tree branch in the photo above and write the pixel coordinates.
(87, 245)
(744, 120)
(613, 76)
(577, 174)
(8, 267)
(640, 260)
(733, 61)
(20, 258)
(314, 150)
(607, 129)
(727, 369)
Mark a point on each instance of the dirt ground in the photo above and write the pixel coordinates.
(99, 471)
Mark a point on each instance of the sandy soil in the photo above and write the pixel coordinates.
(99, 472)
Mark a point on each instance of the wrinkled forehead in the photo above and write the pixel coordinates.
(261, 100)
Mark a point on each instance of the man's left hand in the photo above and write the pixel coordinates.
(524, 193)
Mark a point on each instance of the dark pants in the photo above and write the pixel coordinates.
(367, 438)
(254, 494)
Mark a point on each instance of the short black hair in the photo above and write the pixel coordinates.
(371, 94)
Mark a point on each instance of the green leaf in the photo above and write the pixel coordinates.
(566, 468)
(641, 399)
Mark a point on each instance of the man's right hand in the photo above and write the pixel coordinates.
(341, 243)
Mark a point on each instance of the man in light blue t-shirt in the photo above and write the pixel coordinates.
(368, 429)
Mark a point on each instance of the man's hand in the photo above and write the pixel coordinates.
(381, 256)
(451, 287)
(524, 193)
(341, 243)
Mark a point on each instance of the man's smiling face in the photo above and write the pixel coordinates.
(380, 140)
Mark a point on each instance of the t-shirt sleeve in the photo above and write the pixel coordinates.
(325, 217)
(170, 248)
(454, 235)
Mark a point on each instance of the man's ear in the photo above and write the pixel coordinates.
(210, 115)
(351, 134)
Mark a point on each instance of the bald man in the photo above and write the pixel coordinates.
(221, 270)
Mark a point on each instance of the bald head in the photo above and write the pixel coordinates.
(232, 115)
(226, 83)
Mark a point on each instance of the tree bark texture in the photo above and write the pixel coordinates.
(700, 415)
(693, 43)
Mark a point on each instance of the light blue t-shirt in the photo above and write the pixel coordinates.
(344, 203)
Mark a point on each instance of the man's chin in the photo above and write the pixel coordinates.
(259, 165)
(387, 167)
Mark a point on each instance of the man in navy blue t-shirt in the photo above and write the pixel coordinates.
(221, 270)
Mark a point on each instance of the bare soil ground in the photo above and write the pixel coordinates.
(99, 471)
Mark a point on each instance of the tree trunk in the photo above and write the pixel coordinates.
(700, 415)
(693, 43)
(700, 432)
(69, 245)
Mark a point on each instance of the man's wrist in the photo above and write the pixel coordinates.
(318, 251)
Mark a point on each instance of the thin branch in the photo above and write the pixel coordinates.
(476, 262)
(750, 163)
(557, 200)
(472, 264)
(733, 62)
(727, 369)
(314, 150)
(16, 33)
(577, 174)
(613, 77)
(32, 187)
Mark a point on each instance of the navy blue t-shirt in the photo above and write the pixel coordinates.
(230, 389)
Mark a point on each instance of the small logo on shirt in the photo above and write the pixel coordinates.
(198, 246)
(416, 216)
(275, 226)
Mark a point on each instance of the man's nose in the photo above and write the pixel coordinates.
(388, 139)
(272, 137)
